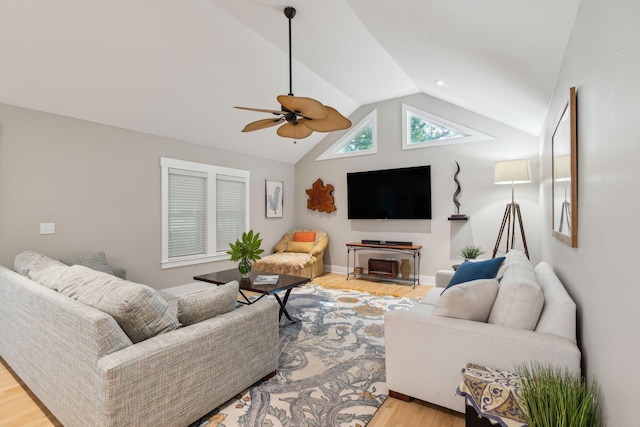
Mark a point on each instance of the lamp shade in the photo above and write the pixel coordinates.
(512, 172)
(562, 168)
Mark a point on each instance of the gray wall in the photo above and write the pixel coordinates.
(100, 185)
(602, 61)
(441, 239)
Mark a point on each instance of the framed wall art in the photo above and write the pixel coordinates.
(274, 192)
(564, 174)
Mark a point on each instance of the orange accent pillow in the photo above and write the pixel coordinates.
(304, 236)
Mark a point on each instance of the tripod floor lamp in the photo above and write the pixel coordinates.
(512, 172)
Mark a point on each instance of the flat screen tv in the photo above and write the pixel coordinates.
(390, 194)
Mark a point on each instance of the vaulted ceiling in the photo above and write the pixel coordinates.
(176, 68)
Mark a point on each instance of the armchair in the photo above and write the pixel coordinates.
(300, 252)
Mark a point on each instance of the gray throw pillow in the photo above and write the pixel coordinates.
(202, 305)
(95, 261)
(139, 310)
(29, 260)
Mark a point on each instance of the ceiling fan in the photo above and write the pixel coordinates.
(301, 116)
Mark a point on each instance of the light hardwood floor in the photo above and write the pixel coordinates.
(20, 408)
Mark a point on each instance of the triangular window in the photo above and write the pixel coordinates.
(422, 129)
(361, 140)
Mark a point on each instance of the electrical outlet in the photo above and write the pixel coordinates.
(47, 228)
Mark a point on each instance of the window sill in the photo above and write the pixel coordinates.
(200, 259)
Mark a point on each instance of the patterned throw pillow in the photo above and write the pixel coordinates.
(203, 305)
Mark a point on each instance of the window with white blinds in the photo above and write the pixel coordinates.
(187, 213)
(204, 208)
(230, 211)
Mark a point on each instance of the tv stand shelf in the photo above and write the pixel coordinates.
(414, 250)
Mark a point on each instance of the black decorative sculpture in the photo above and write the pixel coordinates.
(457, 216)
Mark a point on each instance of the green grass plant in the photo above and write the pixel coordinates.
(555, 397)
(470, 252)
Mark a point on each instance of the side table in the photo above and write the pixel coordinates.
(492, 396)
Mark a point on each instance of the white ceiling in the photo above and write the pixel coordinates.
(176, 68)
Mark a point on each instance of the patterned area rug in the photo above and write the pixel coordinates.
(331, 367)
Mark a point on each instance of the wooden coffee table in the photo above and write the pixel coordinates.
(285, 283)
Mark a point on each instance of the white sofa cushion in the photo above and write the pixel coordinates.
(514, 256)
(469, 301)
(432, 297)
(198, 306)
(520, 299)
(139, 310)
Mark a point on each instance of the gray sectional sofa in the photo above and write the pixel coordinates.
(526, 316)
(90, 369)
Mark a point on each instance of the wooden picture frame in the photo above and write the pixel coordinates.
(274, 195)
(564, 174)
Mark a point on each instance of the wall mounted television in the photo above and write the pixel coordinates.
(403, 193)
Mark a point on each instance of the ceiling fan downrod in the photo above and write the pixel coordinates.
(290, 12)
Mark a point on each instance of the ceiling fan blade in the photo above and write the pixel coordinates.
(335, 121)
(262, 124)
(295, 131)
(307, 107)
(262, 110)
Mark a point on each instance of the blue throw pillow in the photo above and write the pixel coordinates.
(468, 271)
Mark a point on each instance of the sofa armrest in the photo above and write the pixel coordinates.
(443, 277)
(436, 348)
(193, 369)
(319, 247)
(280, 246)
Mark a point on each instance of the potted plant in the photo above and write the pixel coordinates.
(246, 251)
(556, 397)
(470, 252)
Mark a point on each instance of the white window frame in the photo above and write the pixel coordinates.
(212, 172)
(468, 134)
(370, 120)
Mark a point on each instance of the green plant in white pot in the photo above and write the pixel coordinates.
(246, 251)
(556, 397)
(470, 252)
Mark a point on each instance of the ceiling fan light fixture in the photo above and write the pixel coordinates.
(303, 115)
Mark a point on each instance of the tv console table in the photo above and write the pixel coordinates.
(413, 250)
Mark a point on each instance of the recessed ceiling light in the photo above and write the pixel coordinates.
(439, 82)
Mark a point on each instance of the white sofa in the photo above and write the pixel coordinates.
(426, 351)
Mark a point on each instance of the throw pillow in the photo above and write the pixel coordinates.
(469, 301)
(96, 262)
(202, 305)
(520, 299)
(29, 260)
(468, 271)
(139, 309)
(303, 247)
(304, 236)
(50, 276)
